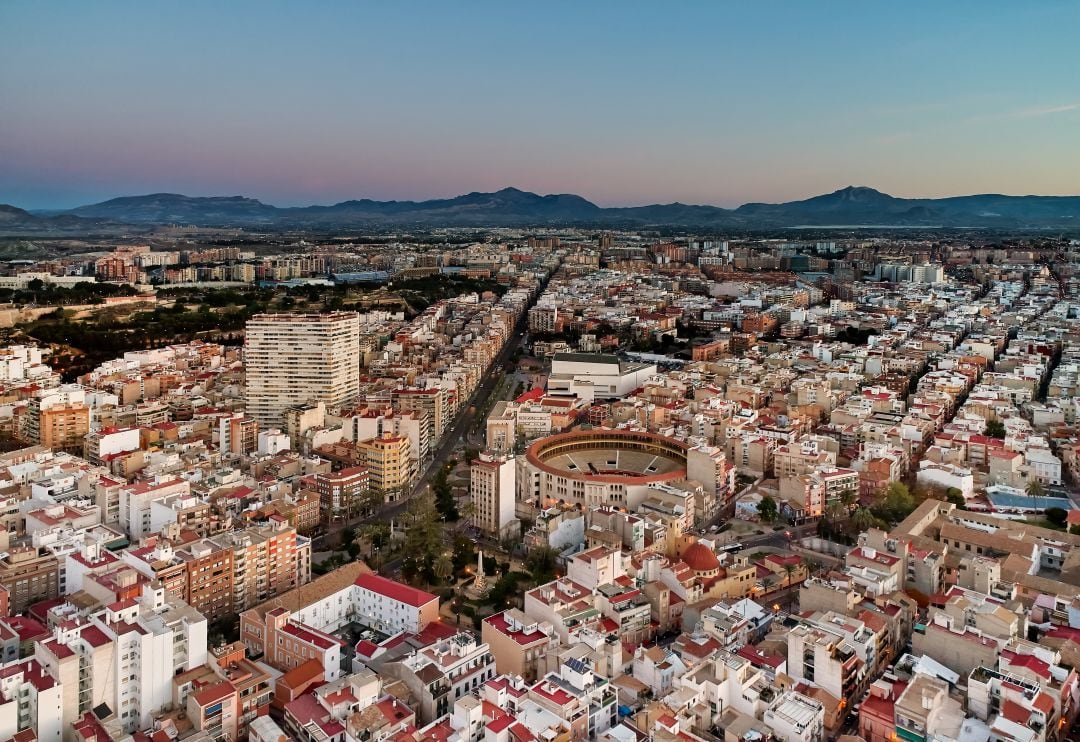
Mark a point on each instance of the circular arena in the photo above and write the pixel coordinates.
(598, 467)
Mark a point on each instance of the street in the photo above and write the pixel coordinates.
(451, 438)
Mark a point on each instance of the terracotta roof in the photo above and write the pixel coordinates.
(700, 558)
(302, 674)
(395, 590)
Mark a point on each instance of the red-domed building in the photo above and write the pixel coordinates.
(702, 560)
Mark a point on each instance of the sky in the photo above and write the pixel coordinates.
(624, 102)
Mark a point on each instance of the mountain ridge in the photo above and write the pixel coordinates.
(849, 206)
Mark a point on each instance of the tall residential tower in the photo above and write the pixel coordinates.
(298, 358)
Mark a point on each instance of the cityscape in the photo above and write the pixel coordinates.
(684, 447)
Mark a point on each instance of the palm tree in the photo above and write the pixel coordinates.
(862, 519)
(789, 569)
(835, 510)
(1035, 490)
(849, 498)
(443, 567)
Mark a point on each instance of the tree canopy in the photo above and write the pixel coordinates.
(767, 509)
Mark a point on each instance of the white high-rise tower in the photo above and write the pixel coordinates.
(291, 359)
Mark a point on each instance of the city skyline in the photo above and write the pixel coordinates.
(625, 105)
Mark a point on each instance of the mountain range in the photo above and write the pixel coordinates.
(848, 207)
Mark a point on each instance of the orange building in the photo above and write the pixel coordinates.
(296, 682)
(62, 427)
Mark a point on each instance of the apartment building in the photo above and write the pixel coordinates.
(518, 643)
(125, 656)
(229, 572)
(924, 708)
(825, 659)
(135, 513)
(289, 644)
(373, 422)
(389, 464)
(794, 717)
(31, 703)
(432, 404)
(266, 562)
(29, 574)
(441, 674)
(803, 457)
(213, 709)
(63, 426)
(294, 359)
(492, 488)
(501, 427)
(57, 418)
(101, 445)
(300, 418)
(342, 494)
(238, 434)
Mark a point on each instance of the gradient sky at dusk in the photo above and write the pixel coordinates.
(623, 103)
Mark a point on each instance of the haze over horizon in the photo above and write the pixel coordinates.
(623, 104)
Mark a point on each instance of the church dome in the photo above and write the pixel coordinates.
(701, 558)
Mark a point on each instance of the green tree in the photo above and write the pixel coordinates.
(509, 543)
(862, 519)
(541, 564)
(955, 496)
(443, 567)
(849, 498)
(353, 550)
(1057, 516)
(423, 538)
(789, 570)
(444, 494)
(463, 552)
(897, 503)
(835, 509)
(1035, 490)
(994, 429)
(371, 500)
(376, 534)
(767, 509)
(467, 511)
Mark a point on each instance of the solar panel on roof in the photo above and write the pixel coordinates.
(577, 665)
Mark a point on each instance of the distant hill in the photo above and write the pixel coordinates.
(169, 208)
(858, 205)
(14, 220)
(851, 206)
(15, 215)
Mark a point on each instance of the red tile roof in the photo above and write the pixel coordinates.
(395, 590)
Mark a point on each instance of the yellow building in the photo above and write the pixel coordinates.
(389, 463)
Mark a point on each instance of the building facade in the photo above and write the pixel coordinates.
(293, 359)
